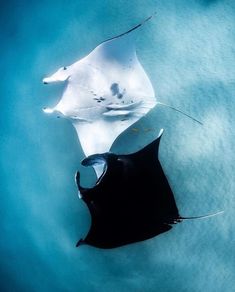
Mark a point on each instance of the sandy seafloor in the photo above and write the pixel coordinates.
(188, 51)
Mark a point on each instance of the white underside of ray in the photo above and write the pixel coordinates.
(116, 63)
(105, 93)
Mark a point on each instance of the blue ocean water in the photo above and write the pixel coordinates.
(188, 52)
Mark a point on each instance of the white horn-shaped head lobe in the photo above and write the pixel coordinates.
(60, 75)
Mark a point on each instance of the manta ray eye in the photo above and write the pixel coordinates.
(64, 68)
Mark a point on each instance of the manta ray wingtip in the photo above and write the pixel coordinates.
(80, 242)
(160, 133)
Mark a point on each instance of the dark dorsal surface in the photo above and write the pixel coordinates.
(132, 201)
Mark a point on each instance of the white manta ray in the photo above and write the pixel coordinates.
(105, 93)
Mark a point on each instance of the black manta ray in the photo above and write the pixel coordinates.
(132, 200)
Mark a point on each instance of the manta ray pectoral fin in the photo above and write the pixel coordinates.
(119, 48)
(153, 147)
(80, 242)
(160, 133)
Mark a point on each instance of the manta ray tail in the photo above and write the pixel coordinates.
(171, 107)
(202, 217)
